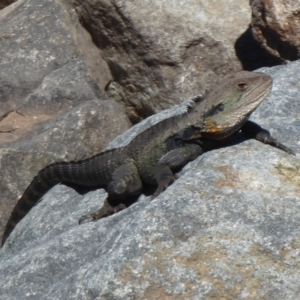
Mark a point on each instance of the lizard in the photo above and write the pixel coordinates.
(154, 154)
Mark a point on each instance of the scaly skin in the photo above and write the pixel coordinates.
(153, 155)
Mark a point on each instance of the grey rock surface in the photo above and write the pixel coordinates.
(42, 68)
(227, 228)
(160, 52)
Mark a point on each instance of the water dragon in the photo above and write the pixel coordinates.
(155, 153)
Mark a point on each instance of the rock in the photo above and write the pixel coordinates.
(44, 67)
(81, 133)
(276, 25)
(227, 228)
(160, 52)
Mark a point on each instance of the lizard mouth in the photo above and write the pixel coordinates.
(258, 98)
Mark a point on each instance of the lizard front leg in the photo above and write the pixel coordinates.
(125, 182)
(174, 159)
(254, 131)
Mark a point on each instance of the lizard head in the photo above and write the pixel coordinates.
(229, 106)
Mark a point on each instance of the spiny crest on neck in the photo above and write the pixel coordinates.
(190, 103)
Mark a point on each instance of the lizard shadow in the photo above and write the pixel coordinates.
(148, 190)
(253, 56)
(236, 139)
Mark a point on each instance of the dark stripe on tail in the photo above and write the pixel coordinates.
(84, 173)
(41, 184)
(31, 196)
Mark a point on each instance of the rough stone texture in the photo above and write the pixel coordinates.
(160, 52)
(81, 133)
(44, 67)
(228, 228)
(276, 25)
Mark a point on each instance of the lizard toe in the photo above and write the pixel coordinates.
(86, 218)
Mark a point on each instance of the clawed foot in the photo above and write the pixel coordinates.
(284, 148)
(267, 139)
(105, 211)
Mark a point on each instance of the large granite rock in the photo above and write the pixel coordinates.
(227, 228)
(147, 55)
(276, 25)
(160, 52)
(42, 65)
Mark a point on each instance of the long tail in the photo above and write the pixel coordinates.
(83, 173)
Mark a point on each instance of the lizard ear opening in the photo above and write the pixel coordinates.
(215, 110)
(242, 86)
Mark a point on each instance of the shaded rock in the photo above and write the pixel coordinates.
(4, 3)
(251, 54)
(276, 25)
(228, 227)
(81, 133)
(160, 52)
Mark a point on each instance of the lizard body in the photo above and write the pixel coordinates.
(153, 154)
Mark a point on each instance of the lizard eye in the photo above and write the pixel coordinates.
(242, 86)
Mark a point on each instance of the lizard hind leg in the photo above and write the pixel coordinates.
(165, 177)
(125, 183)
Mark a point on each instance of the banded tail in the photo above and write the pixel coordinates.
(83, 173)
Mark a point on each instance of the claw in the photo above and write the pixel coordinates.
(86, 218)
(105, 211)
(286, 149)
